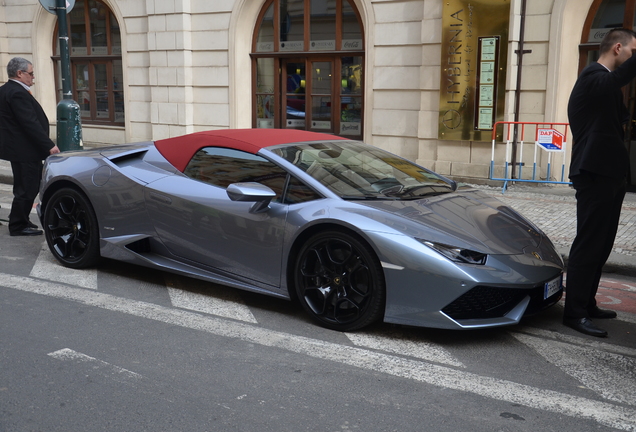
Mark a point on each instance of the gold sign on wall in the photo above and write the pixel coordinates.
(473, 68)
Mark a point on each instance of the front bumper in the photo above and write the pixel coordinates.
(425, 289)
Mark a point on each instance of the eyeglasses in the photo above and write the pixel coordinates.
(30, 73)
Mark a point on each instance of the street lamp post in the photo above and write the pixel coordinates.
(69, 124)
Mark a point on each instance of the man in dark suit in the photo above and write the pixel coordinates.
(24, 141)
(598, 170)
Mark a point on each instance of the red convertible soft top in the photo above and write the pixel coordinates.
(179, 150)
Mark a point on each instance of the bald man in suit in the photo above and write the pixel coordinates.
(24, 141)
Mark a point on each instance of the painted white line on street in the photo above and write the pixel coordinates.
(605, 413)
(613, 301)
(225, 303)
(117, 373)
(587, 342)
(7, 206)
(630, 287)
(627, 317)
(608, 374)
(399, 344)
(47, 267)
(621, 316)
(11, 258)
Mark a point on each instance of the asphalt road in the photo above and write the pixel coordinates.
(123, 348)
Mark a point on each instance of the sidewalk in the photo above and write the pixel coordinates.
(6, 176)
(551, 207)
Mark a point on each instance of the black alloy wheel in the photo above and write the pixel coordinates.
(71, 229)
(339, 281)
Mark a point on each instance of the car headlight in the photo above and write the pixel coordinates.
(464, 256)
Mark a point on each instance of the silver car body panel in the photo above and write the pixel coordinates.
(151, 214)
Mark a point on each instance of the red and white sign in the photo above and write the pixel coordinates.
(550, 139)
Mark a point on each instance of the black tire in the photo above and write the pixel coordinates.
(339, 281)
(70, 226)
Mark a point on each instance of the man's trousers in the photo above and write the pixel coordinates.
(598, 208)
(26, 185)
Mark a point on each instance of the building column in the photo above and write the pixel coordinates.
(170, 68)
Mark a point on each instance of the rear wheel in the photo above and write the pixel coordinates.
(339, 281)
(71, 229)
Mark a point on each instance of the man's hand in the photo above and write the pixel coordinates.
(54, 150)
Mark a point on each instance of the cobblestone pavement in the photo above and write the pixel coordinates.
(554, 211)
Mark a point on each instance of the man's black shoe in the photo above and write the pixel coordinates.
(602, 313)
(32, 225)
(584, 325)
(28, 231)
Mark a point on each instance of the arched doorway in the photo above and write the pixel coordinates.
(307, 67)
(603, 16)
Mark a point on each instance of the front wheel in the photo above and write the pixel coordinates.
(339, 281)
(71, 229)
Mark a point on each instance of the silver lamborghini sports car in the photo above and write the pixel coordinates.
(355, 233)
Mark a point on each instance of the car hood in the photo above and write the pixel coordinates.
(467, 219)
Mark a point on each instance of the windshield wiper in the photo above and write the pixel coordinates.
(424, 195)
(368, 198)
(410, 193)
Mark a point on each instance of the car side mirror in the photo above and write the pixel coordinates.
(257, 193)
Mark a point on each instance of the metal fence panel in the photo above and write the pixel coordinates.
(539, 150)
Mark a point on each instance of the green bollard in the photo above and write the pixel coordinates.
(69, 126)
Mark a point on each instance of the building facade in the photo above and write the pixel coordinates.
(370, 69)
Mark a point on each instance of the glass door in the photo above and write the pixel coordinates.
(350, 107)
(321, 96)
(317, 93)
(294, 85)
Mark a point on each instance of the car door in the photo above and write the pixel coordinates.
(196, 220)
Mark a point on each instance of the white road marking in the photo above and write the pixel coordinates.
(608, 374)
(47, 267)
(627, 286)
(399, 344)
(627, 317)
(117, 373)
(621, 316)
(613, 300)
(582, 341)
(226, 303)
(9, 204)
(605, 413)
(11, 258)
(630, 288)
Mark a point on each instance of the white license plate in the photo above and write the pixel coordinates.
(552, 287)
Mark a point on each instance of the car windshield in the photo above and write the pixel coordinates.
(357, 171)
